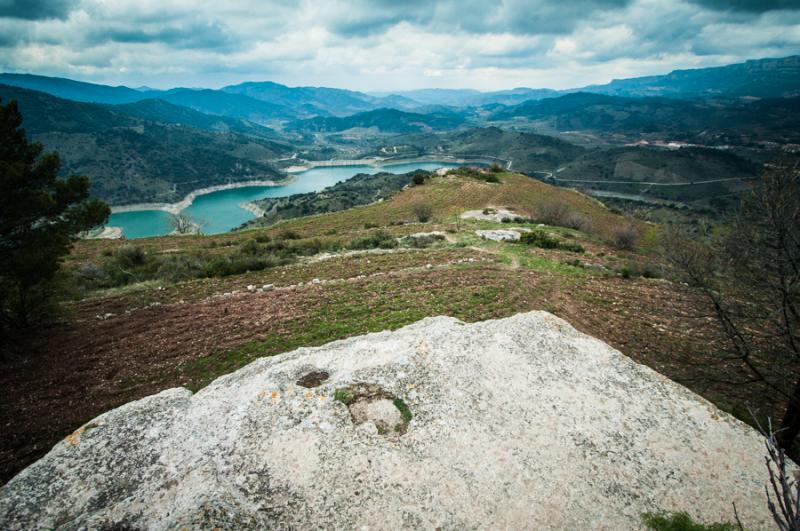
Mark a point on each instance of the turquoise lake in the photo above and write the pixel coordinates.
(219, 212)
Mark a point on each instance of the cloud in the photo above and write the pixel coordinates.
(753, 6)
(385, 44)
(35, 9)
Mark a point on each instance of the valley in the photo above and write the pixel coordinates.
(194, 247)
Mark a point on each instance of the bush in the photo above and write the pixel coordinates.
(543, 240)
(577, 221)
(250, 247)
(553, 213)
(288, 235)
(495, 168)
(419, 179)
(263, 238)
(130, 256)
(625, 237)
(539, 238)
(379, 239)
(423, 212)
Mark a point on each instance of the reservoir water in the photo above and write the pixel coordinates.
(220, 211)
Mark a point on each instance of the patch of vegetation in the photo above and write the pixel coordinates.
(538, 238)
(345, 396)
(476, 173)
(376, 240)
(403, 408)
(423, 212)
(681, 522)
(625, 237)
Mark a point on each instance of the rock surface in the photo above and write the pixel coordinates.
(500, 235)
(516, 423)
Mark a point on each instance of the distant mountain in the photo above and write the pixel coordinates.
(527, 152)
(325, 101)
(712, 121)
(762, 78)
(76, 90)
(472, 98)
(232, 105)
(711, 172)
(131, 159)
(383, 120)
(157, 110)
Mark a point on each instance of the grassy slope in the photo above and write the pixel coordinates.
(125, 343)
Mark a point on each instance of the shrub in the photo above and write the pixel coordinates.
(250, 247)
(625, 237)
(379, 239)
(577, 221)
(539, 238)
(370, 225)
(552, 213)
(543, 240)
(423, 212)
(288, 235)
(130, 256)
(490, 178)
(572, 247)
(263, 238)
(419, 179)
(495, 168)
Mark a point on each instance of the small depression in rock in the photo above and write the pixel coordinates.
(313, 379)
(369, 403)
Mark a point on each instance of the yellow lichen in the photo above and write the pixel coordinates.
(75, 437)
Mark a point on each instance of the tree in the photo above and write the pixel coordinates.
(182, 223)
(752, 282)
(40, 217)
(423, 212)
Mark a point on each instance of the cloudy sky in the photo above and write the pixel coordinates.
(387, 44)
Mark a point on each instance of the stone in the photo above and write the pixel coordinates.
(516, 423)
(268, 287)
(499, 235)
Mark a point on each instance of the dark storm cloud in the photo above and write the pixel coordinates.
(752, 6)
(35, 9)
(365, 17)
(191, 35)
(388, 43)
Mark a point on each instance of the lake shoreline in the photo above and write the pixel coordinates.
(377, 162)
(176, 208)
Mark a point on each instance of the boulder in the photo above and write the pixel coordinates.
(499, 235)
(520, 422)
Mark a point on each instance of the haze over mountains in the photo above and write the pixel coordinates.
(157, 145)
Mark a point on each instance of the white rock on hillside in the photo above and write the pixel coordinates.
(499, 235)
(517, 423)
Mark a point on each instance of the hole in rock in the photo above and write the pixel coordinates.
(313, 379)
(370, 403)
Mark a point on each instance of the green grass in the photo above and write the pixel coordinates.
(403, 408)
(681, 522)
(344, 396)
(354, 311)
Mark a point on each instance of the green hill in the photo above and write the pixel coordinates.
(130, 159)
(383, 120)
(527, 152)
(688, 174)
(713, 121)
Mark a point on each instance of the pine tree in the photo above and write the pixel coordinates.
(41, 215)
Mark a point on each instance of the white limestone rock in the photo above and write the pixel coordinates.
(517, 423)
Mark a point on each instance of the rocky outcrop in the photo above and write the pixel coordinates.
(516, 423)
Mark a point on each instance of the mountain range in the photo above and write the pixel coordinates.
(157, 145)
